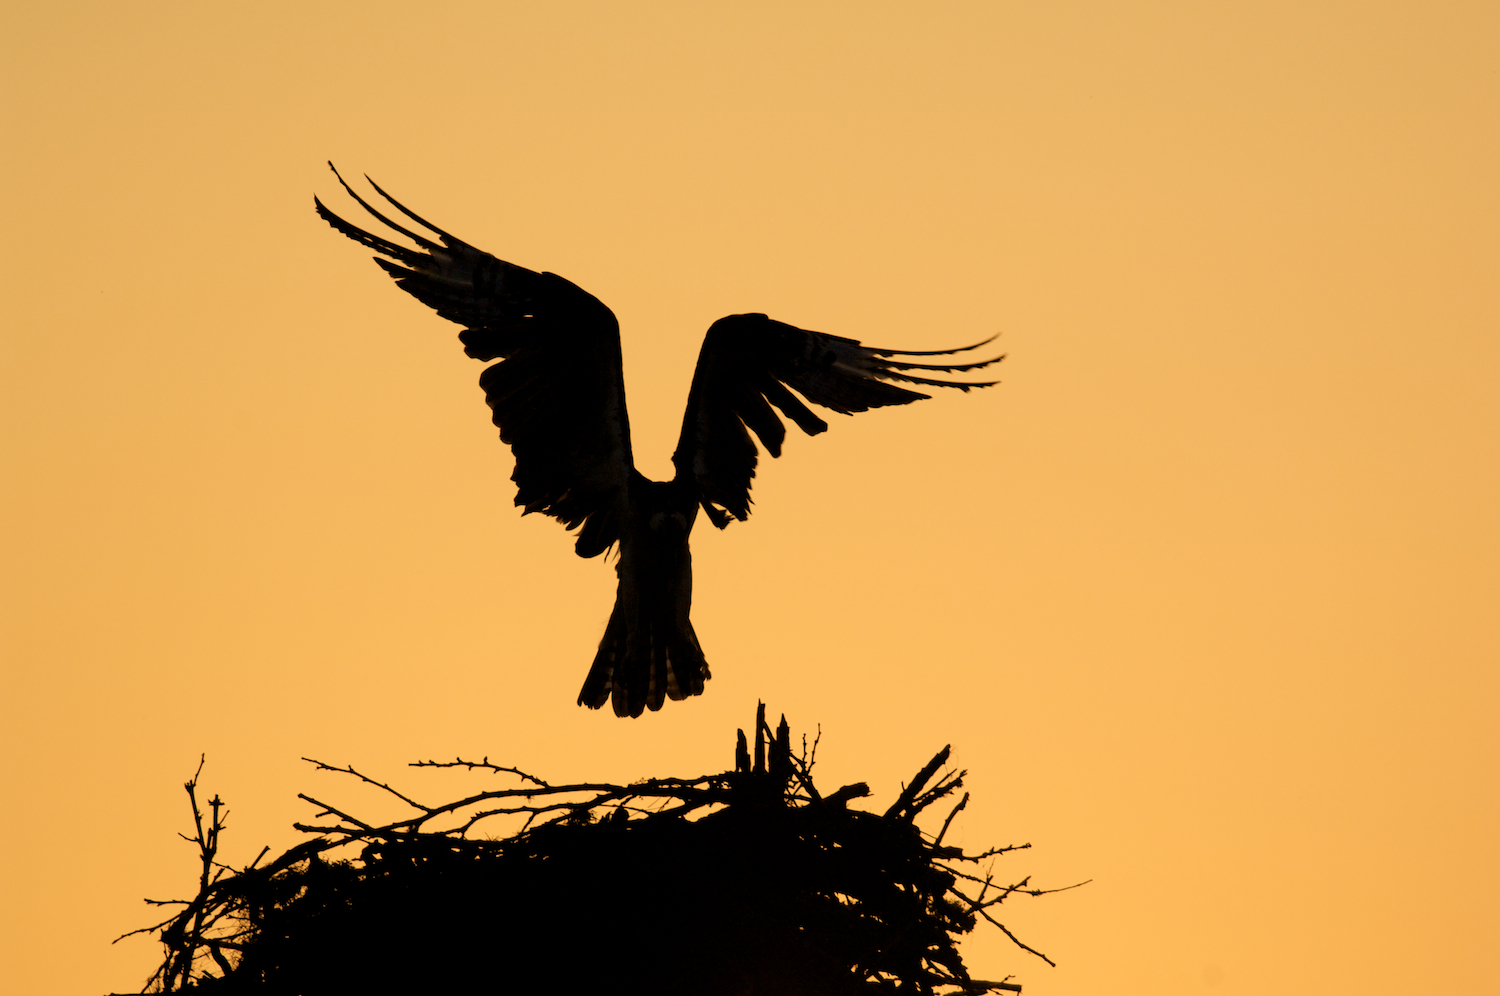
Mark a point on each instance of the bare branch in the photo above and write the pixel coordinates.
(349, 770)
(485, 765)
(1016, 940)
(956, 810)
(909, 792)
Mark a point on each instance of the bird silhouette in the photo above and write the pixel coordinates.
(558, 398)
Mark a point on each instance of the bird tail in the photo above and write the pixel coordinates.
(644, 661)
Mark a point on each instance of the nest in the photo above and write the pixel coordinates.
(749, 881)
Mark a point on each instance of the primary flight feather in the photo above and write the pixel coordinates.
(557, 395)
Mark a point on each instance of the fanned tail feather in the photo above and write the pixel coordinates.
(639, 668)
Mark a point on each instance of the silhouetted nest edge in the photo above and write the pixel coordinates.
(750, 881)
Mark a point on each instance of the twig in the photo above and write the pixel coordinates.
(962, 803)
(349, 770)
(485, 764)
(1016, 940)
(908, 793)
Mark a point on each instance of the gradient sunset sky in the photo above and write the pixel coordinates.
(1206, 595)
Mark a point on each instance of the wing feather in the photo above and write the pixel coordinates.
(558, 393)
(750, 364)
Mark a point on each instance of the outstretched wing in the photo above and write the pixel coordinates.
(558, 392)
(747, 364)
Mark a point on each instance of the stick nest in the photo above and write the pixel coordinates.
(745, 882)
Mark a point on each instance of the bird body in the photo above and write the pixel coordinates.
(650, 624)
(557, 396)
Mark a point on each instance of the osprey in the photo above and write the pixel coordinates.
(558, 398)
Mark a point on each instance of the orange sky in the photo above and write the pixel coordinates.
(1204, 595)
